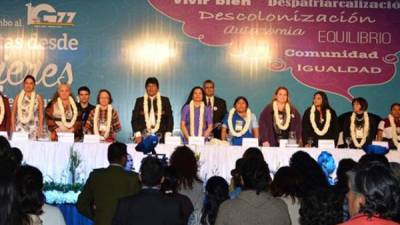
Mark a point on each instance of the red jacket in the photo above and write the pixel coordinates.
(361, 219)
(6, 124)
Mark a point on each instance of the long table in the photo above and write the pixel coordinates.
(53, 158)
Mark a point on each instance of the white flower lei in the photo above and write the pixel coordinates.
(393, 127)
(314, 125)
(96, 121)
(246, 125)
(146, 113)
(276, 115)
(201, 119)
(353, 130)
(2, 109)
(74, 111)
(21, 97)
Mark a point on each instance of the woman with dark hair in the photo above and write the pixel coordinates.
(286, 185)
(196, 117)
(359, 127)
(103, 120)
(279, 119)
(312, 174)
(319, 121)
(169, 187)
(254, 205)
(5, 113)
(29, 185)
(184, 162)
(28, 110)
(62, 114)
(341, 186)
(374, 196)
(240, 122)
(389, 128)
(217, 191)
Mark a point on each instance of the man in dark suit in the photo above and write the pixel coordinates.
(106, 186)
(218, 106)
(150, 205)
(147, 120)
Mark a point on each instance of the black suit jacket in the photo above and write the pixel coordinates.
(219, 112)
(147, 207)
(167, 121)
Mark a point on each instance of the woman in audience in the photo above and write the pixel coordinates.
(217, 191)
(389, 128)
(279, 119)
(62, 114)
(374, 196)
(240, 122)
(236, 182)
(169, 187)
(27, 113)
(312, 175)
(360, 126)
(196, 119)
(183, 160)
(341, 186)
(103, 120)
(254, 205)
(319, 121)
(286, 185)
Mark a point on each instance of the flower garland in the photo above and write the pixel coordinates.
(2, 109)
(201, 119)
(246, 125)
(96, 121)
(276, 115)
(353, 130)
(393, 127)
(314, 125)
(21, 97)
(146, 113)
(74, 111)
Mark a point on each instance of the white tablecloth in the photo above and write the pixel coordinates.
(52, 158)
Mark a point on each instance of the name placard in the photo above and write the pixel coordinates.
(173, 140)
(66, 137)
(250, 142)
(91, 138)
(283, 143)
(20, 136)
(327, 143)
(381, 143)
(196, 141)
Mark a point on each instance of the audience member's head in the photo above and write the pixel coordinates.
(4, 147)
(236, 177)
(16, 155)
(151, 171)
(255, 175)
(170, 182)
(344, 166)
(313, 176)
(321, 207)
(253, 153)
(287, 182)
(395, 167)
(374, 191)
(29, 182)
(117, 153)
(184, 161)
(366, 159)
(217, 191)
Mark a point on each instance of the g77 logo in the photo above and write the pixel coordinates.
(49, 17)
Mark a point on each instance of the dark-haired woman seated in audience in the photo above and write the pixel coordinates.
(183, 160)
(217, 191)
(374, 196)
(278, 119)
(169, 187)
(359, 127)
(341, 185)
(240, 122)
(319, 121)
(389, 128)
(286, 185)
(254, 205)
